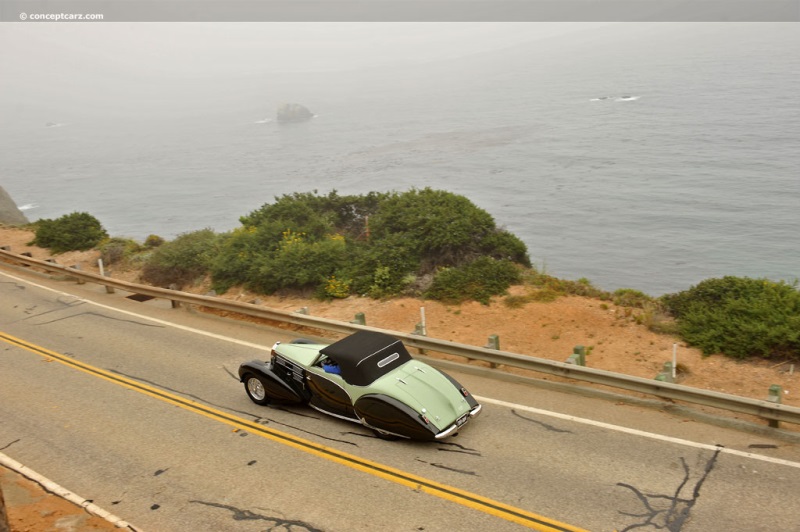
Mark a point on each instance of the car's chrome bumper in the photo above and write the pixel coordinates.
(460, 422)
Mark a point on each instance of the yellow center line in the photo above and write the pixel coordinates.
(398, 476)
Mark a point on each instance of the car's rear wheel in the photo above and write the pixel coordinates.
(256, 390)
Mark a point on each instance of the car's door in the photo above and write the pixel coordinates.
(328, 393)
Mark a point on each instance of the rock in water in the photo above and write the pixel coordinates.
(293, 112)
(9, 213)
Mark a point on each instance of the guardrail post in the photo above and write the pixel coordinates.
(775, 396)
(493, 343)
(78, 267)
(302, 310)
(175, 304)
(578, 356)
(419, 330)
(666, 373)
(359, 319)
(109, 288)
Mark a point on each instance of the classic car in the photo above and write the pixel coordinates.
(367, 378)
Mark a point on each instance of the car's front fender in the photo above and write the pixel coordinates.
(276, 388)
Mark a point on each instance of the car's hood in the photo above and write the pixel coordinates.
(429, 392)
(303, 354)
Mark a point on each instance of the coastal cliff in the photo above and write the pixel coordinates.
(9, 213)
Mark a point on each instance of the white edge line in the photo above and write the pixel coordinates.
(488, 400)
(154, 320)
(636, 432)
(59, 491)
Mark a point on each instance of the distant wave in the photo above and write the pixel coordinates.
(28, 206)
(625, 98)
(264, 121)
(54, 124)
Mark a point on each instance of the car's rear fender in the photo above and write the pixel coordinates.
(387, 414)
(276, 388)
(468, 396)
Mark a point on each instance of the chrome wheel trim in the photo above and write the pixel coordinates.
(256, 389)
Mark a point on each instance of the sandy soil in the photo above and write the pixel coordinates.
(546, 330)
(32, 509)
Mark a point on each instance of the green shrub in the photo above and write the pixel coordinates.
(318, 215)
(381, 268)
(501, 244)
(628, 297)
(551, 287)
(479, 280)
(383, 244)
(445, 228)
(298, 264)
(153, 241)
(236, 260)
(183, 260)
(116, 250)
(336, 288)
(78, 231)
(740, 317)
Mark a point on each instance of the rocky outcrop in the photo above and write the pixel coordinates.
(293, 112)
(9, 213)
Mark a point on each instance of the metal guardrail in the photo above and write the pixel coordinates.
(773, 412)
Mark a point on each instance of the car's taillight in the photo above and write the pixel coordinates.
(424, 418)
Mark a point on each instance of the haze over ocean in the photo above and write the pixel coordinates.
(638, 156)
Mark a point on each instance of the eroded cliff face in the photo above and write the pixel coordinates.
(9, 213)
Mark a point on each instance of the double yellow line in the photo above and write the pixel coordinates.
(443, 491)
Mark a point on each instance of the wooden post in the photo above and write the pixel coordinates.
(175, 304)
(109, 289)
(4, 526)
(78, 267)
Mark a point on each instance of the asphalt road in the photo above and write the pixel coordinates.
(136, 406)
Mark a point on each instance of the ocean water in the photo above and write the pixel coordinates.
(652, 161)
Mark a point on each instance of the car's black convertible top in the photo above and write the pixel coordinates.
(367, 355)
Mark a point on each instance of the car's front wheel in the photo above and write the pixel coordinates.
(256, 390)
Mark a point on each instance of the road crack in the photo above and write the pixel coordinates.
(277, 523)
(669, 512)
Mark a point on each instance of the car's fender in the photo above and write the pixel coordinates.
(385, 413)
(277, 389)
(468, 396)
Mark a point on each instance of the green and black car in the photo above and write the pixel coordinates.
(367, 378)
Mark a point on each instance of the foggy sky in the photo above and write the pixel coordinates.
(50, 67)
